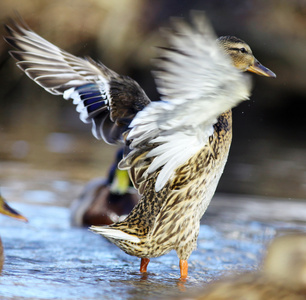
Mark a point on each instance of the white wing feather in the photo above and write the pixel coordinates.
(48, 62)
(114, 233)
(198, 83)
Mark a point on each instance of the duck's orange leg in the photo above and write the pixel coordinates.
(143, 265)
(183, 269)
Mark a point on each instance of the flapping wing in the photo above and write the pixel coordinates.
(198, 83)
(104, 98)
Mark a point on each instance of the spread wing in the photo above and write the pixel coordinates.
(107, 100)
(195, 78)
(198, 83)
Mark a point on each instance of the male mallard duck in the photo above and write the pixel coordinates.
(176, 148)
(5, 209)
(283, 276)
(105, 201)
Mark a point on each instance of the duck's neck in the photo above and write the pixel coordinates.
(224, 123)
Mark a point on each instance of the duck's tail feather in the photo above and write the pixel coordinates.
(113, 233)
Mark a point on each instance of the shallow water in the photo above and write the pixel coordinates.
(49, 259)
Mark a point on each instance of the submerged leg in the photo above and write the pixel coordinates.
(143, 265)
(183, 269)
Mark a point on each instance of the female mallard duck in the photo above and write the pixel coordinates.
(105, 201)
(5, 209)
(176, 148)
(283, 276)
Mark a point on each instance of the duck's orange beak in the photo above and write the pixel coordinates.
(259, 69)
(5, 209)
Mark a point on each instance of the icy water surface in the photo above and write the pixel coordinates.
(49, 259)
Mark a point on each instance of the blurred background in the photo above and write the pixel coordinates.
(42, 132)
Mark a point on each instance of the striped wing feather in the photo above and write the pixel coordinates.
(107, 100)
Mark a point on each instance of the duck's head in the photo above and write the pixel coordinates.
(5, 209)
(242, 56)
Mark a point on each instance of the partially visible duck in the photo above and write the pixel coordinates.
(105, 201)
(5, 209)
(283, 276)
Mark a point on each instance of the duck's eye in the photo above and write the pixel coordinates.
(243, 50)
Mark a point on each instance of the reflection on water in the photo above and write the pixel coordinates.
(49, 259)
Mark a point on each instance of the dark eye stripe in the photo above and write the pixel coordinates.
(242, 50)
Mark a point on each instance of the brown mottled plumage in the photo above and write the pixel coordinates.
(176, 148)
(5, 209)
(169, 219)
